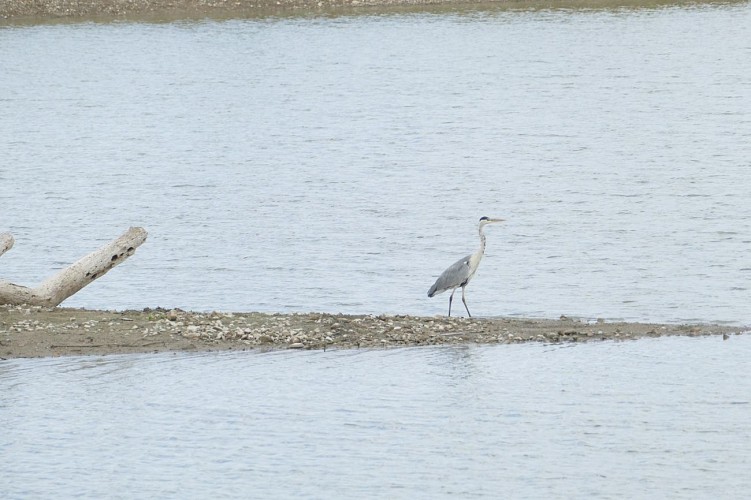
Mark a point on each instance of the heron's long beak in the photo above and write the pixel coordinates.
(496, 220)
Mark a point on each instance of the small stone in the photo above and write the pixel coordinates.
(297, 345)
(192, 333)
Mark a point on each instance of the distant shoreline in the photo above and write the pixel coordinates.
(178, 9)
(31, 332)
(41, 11)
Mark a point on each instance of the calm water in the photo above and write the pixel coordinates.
(657, 418)
(341, 163)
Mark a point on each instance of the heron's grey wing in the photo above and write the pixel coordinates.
(452, 277)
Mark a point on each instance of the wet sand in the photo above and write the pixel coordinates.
(27, 332)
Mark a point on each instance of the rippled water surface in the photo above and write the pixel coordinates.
(656, 418)
(341, 163)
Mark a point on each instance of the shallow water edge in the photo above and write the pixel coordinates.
(40, 332)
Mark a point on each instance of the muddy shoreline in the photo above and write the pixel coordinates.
(44, 11)
(30, 332)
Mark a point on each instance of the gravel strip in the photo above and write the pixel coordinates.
(38, 332)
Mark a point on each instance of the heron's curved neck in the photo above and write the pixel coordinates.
(481, 251)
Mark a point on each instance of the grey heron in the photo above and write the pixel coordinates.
(461, 271)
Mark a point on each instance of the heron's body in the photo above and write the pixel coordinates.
(461, 271)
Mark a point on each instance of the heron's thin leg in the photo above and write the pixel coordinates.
(451, 298)
(465, 303)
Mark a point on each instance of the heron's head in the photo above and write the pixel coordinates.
(488, 220)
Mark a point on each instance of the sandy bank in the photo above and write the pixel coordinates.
(41, 11)
(176, 9)
(37, 332)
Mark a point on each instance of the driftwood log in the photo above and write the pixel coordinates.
(6, 242)
(76, 276)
